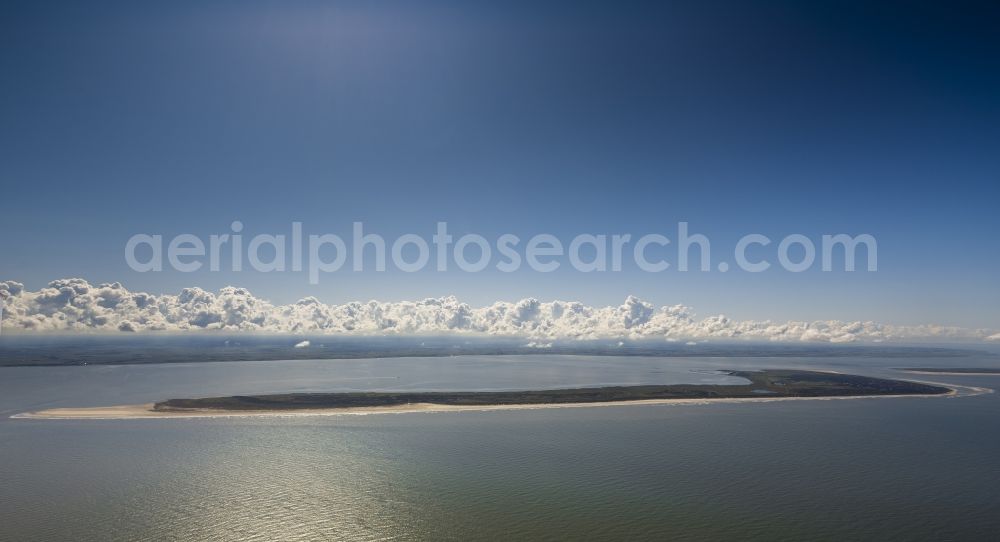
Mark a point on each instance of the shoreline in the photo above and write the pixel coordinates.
(948, 373)
(145, 411)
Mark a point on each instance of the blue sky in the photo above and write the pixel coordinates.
(523, 117)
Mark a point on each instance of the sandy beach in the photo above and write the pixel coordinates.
(145, 411)
(949, 373)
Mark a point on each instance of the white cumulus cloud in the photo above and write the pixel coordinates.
(70, 305)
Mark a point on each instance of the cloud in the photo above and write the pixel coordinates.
(71, 305)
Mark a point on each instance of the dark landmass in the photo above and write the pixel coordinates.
(22, 351)
(960, 370)
(767, 383)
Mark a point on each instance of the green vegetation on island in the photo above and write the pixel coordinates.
(766, 383)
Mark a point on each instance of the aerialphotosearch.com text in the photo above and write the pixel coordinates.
(319, 254)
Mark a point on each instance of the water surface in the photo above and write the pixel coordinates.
(910, 468)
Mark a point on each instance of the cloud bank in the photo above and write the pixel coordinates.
(74, 305)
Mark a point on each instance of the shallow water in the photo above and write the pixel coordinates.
(910, 468)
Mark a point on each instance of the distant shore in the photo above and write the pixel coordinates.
(763, 386)
(76, 351)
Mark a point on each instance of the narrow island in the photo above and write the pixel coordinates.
(765, 385)
(773, 383)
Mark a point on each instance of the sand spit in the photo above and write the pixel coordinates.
(947, 373)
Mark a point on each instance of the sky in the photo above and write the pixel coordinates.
(516, 117)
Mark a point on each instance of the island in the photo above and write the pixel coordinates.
(763, 385)
(772, 383)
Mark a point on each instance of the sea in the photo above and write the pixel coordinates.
(917, 468)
